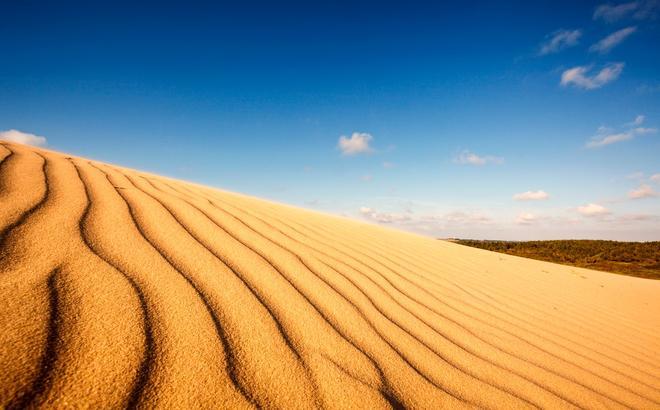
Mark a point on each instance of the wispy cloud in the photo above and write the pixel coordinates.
(367, 178)
(470, 158)
(579, 76)
(647, 9)
(358, 143)
(610, 14)
(22, 137)
(601, 141)
(643, 131)
(605, 136)
(639, 10)
(636, 218)
(608, 43)
(383, 217)
(531, 196)
(592, 210)
(434, 221)
(644, 191)
(388, 165)
(559, 40)
(655, 178)
(639, 120)
(469, 218)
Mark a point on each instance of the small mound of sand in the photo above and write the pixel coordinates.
(121, 288)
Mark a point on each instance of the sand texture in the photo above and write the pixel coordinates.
(125, 289)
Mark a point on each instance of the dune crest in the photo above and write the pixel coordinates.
(121, 288)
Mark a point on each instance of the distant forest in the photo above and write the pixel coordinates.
(640, 259)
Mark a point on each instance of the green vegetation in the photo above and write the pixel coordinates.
(640, 259)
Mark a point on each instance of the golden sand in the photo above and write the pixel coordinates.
(120, 288)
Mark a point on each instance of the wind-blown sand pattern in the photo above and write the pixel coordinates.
(124, 289)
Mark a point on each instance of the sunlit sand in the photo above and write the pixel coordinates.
(120, 288)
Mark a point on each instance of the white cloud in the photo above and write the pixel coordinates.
(470, 158)
(560, 40)
(579, 77)
(655, 178)
(388, 165)
(358, 143)
(606, 136)
(644, 191)
(526, 218)
(531, 196)
(592, 210)
(610, 13)
(601, 141)
(22, 137)
(608, 43)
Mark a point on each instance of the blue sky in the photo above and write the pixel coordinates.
(447, 111)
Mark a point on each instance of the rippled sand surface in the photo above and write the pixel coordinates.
(122, 289)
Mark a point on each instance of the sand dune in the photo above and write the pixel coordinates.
(121, 288)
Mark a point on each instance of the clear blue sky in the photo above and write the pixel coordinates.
(448, 111)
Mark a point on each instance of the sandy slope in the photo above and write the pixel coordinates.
(120, 288)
